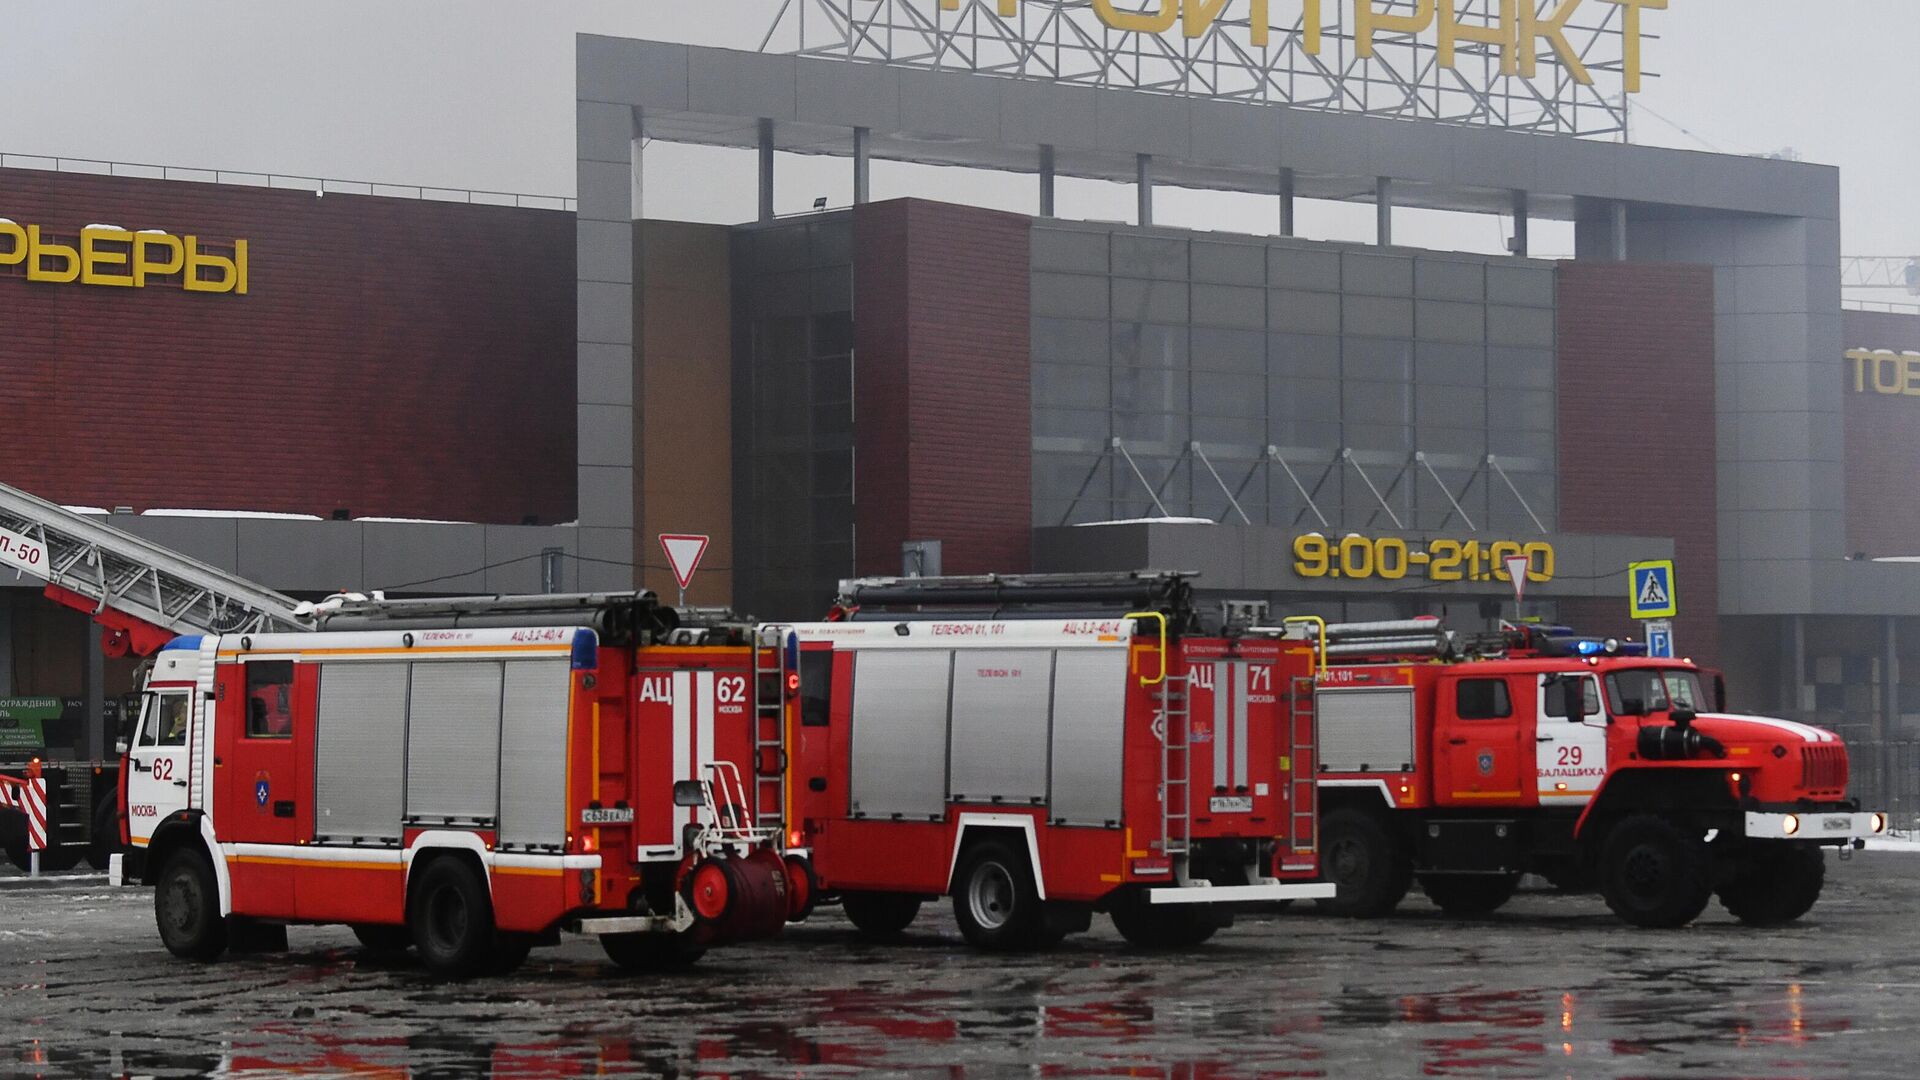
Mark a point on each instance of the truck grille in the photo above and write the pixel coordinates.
(1823, 769)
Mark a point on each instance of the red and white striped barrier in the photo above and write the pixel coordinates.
(28, 796)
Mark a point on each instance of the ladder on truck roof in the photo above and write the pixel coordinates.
(87, 564)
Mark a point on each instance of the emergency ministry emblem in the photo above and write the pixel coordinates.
(261, 790)
(1486, 763)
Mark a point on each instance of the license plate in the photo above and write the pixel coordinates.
(1231, 804)
(620, 816)
(1837, 824)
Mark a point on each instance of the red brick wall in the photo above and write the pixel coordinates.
(942, 377)
(1637, 430)
(393, 357)
(1883, 442)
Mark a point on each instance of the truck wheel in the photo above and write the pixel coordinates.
(1469, 895)
(996, 902)
(105, 841)
(1167, 926)
(186, 906)
(18, 855)
(880, 915)
(1370, 872)
(452, 919)
(1774, 883)
(1655, 875)
(510, 952)
(390, 940)
(652, 952)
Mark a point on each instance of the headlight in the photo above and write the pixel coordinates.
(1791, 825)
(1879, 823)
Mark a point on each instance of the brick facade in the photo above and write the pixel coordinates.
(943, 383)
(393, 357)
(1883, 441)
(1637, 431)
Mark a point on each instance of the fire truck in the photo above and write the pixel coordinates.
(470, 777)
(1041, 748)
(1463, 761)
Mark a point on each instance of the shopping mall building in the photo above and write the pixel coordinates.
(444, 395)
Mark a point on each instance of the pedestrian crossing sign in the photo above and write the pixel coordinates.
(1651, 595)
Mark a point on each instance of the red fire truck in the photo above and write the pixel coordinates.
(1465, 761)
(1041, 748)
(470, 777)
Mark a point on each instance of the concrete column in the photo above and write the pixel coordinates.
(1286, 202)
(92, 744)
(1143, 171)
(607, 380)
(1888, 721)
(1521, 220)
(862, 167)
(766, 170)
(1617, 233)
(1383, 211)
(1046, 182)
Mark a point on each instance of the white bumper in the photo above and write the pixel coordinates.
(1826, 828)
(1241, 894)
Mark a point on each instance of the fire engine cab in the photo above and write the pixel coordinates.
(1041, 748)
(470, 778)
(1465, 761)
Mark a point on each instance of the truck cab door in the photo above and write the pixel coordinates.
(264, 777)
(1478, 756)
(158, 760)
(1571, 742)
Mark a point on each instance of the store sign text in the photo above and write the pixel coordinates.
(122, 259)
(1882, 371)
(1517, 30)
(1389, 558)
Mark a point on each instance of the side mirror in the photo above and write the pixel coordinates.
(689, 793)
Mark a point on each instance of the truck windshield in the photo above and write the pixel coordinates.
(1639, 691)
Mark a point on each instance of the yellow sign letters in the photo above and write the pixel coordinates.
(1882, 371)
(121, 259)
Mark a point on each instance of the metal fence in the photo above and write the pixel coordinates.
(315, 184)
(1886, 776)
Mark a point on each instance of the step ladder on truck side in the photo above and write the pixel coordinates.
(776, 682)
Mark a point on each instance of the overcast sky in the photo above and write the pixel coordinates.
(479, 94)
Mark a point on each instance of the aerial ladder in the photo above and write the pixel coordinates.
(142, 594)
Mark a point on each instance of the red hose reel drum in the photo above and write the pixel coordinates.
(739, 899)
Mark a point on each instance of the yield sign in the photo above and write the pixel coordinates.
(683, 552)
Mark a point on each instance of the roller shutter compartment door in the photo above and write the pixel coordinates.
(533, 754)
(1089, 734)
(1002, 708)
(1367, 730)
(899, 733)
(360, 752)
(453, 744)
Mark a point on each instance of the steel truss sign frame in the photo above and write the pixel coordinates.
(1557, 66)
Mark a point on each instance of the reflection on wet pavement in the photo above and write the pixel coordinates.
(1551, 987)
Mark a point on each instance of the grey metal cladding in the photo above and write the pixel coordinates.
(1001, 711)
(453, 741)
(359, 751)
(1089, 718)
(899, 733)
(533, 740)
(1367, 730)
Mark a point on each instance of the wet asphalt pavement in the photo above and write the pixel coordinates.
(1552, 986)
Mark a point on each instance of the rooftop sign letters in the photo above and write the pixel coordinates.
(1881, 371)
(109, 256)
(1561, 66)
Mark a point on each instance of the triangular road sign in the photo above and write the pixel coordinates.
(683, 554)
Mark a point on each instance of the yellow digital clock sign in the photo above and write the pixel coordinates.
(1389, 558)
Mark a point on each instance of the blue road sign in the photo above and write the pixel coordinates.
(1651, 593)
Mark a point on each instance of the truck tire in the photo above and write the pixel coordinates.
(996, 902)
(186, 907)
(105, 841)
(651, 952)
(1368, 867)
(387, 940)
(18, 855)
(1469, 895)
(451, 917)
(1654, 874)
(880, 915)
(1166, 926)
(1774, 883)
(510, 952)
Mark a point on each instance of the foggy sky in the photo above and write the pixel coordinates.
(479, 94)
